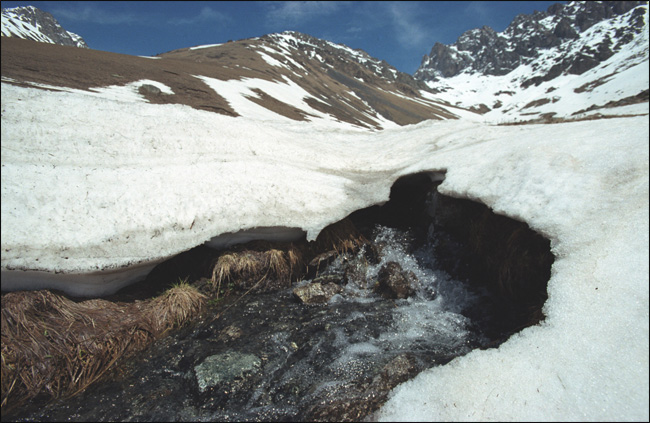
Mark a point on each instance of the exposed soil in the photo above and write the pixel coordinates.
(25, 61)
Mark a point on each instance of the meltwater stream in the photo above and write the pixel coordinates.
(270, 357)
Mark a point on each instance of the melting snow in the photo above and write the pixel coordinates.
(271, 61)
(95, 182)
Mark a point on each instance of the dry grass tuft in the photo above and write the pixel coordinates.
(295, 258)
(269, 266)
(55, 347)
(175, 307)
(341, 236)
(257, 262)
(237, 267)
(278, 265)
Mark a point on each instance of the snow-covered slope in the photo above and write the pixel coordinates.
(105, 183)
(122, 162)
(579, 59)
(34, 24)
(320, 79)
(288, 76)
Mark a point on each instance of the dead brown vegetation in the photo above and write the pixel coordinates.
(549, 119)
(342, 236)
(55, 347)
(250, 266)
(264, 266)
(536, 103)
(174, 307)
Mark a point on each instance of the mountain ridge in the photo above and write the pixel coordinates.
(330, 72)
(262, 77)
(526, 72)
(566, 62)
(34, 24)
(484, 51)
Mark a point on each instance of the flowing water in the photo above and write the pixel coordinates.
(270, 357)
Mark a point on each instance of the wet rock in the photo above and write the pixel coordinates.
(225, 368)
(230, 333)
(316, 293)
(393, 282)
(373, 252)
(327, 279)
(344, 405)
(354, 401)
(271, 358)
(320, 262)
(398, 370)
(355, 273)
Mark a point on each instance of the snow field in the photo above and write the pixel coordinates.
(93, 184)
(587, 190)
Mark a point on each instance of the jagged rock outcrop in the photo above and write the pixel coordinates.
(34, 24)
(484, 51)
(315, 293)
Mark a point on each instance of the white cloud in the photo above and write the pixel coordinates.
(408, 30)
(91, 13)
(207, 14)
(292, 12)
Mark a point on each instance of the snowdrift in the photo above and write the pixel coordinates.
(100, 187)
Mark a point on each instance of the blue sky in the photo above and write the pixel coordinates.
(397, 32)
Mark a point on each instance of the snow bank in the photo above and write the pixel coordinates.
(92, 184)
(585, 187)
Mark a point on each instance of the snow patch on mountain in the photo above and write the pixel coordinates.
(564, 63)
(129, 92)
(205, 46)
(34, 24)
(299, 77)
(291, 40)
(241, 93)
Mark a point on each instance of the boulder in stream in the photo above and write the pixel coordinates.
(316, 292)
(225, 368)
(393, 282)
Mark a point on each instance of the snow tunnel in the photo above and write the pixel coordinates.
(471, 243)
(468, 241)
(356, 334)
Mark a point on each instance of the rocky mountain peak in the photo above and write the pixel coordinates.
(34, 24)
(341, 57)
(528, 71)
(483, 51)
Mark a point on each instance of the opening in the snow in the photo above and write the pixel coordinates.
(321, 330)
(473, 244)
